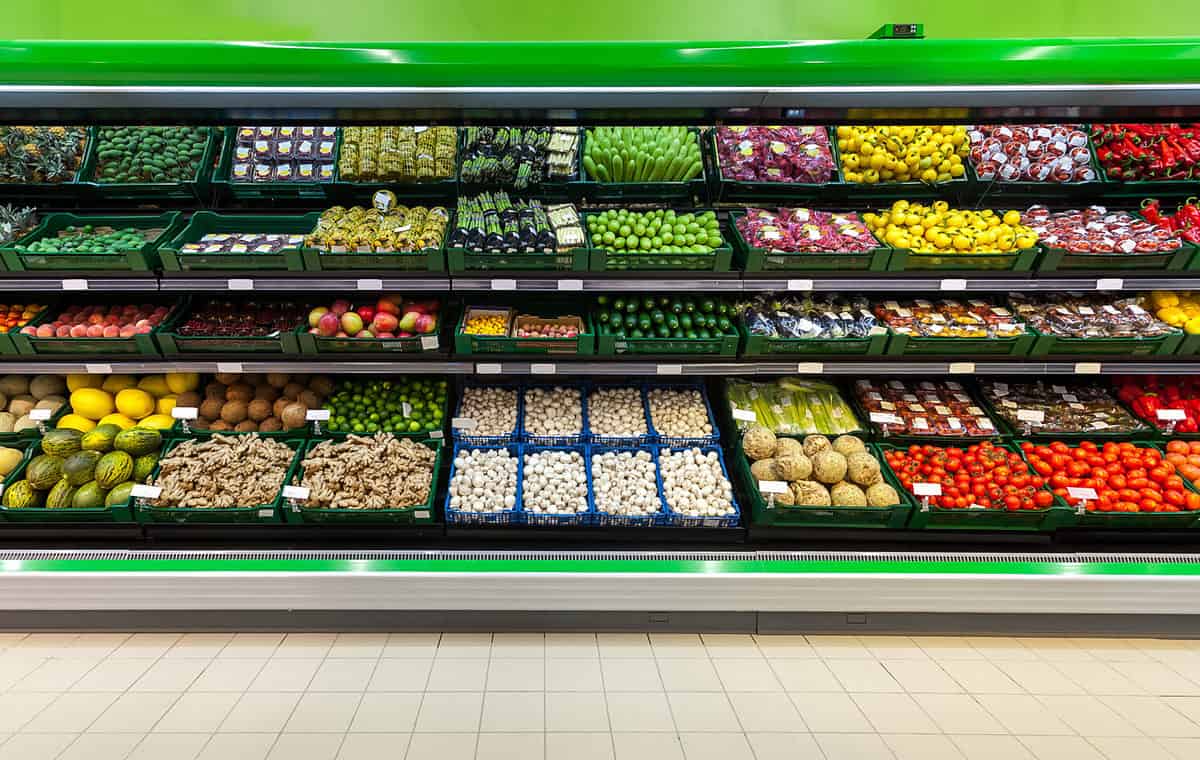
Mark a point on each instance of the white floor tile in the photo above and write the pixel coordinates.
(830, 713)
(519, 646)
(595, 746)
(1022, 714)
(113, 675)
(840, 647)
(147, 645)
(204, 646)
(627, 674)
(958, 714)
(441, 747)
(45, 644)
(260, 711)
(252, 645)
(421, 645)
(453, 674)
(285, 674)
(699, 711)
(373, 746)
(401, 674)
(465, 645)
(948, 648)
(863, 676)
(853, 747)
(1088, 716)
(805, 675)
(1112, 650)
(517, 674)
(1180, 748)
(358, 645)
(980, 677)
(921, 677)
(744, 674)
(394, 713)
(576, 711)
(1039, 677)
(765, 712)
(639, 746)
(895, 713)
(56, 675)
(689, 674)
(922, 747)
(232, 747)
(784, 646)
(101, 747)
(35, 746)
(620, 645)
(574, 674)
(170, 675)
(639, 711)
(1057, 650)
(571, 645)
(228, 675)
(300, 646)
(95, 644)
(980, 747)
(14, 666)
(509, 746)
(449, 711)
(675, 645)
(198, 711)
(1157, 678)
(893, 648)
(135, 712)
(1060, 748)
(343, 674)
(1003, 649)
(771, 746)
(715, 746)
(73, 712)
(305, 747)
(1129, 748)
(1099, 678)
(189, 746)
(1153, 716)
(323, 711)
(513, 711)
(721, 645)
(18, 709)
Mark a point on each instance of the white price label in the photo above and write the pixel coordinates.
(421, 514)
(1031, 415)
(240, 284)
(542, 369)
(266, 513)
(370, 284)
(463, 423)
(233, 368)
(488, 369)
(572, 285)
(429, 342)
(317, 415)
(185, 412)
(406, 409)
(75, 284)
(1110, 283)
(98, 369)
(1087, 368)
(669, 369)
(504, 284)
(799, 284)
(884, 418)
(436, 434)
(927, 489)
(773, 486)
(810, 368)
(877, 330)
(1171, 415)
(744, 415)
(143, 491)
(1083, 494)
(40, 415)
(954, 284)
(295, 492)
(962, 368)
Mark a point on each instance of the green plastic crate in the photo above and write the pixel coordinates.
(1052, 345)
(422, 514)
(311, 344)
(608, 344)
(692, 191)
(144, 259)
(193, 189)
(426, 260)
(1060, 260)
(118, 513)
(905, 260)
(1038, 192)
(144, 344)
(360, 193)
(725, 190)
(582, 345)
(762, 345)
(461, 260)
(1010, 430)
(223, 177)
(913, 189)
(175, 259)
(750, 259)
(916, 345)
(33, 194)
(171, 343)
(260, 513)
(8, 344)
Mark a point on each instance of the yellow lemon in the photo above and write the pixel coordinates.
(135, 403)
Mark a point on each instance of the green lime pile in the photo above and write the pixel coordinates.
(404, 405)
(659, 231)
(149, 154)
(89, 239)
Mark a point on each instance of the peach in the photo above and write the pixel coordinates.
(78, 331)
(31, 330)
(95, 331)
(112, 331)
(43, 331)
(143, 329)
(62, 331)
(128, 331)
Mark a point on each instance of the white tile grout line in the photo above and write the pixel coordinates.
(424, 691)
(483, 696)
(612, 740)
(363, 694)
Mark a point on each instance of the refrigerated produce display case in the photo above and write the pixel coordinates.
(768, 336)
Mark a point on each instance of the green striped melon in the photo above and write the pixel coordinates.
(137, 441)
(113, 469)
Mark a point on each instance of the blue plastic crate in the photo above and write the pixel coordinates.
(630, 521)
(663, 440)
(678, 520)
(576, 439)
(506, 517)
(622, 441)
(537, 518)
(489, 440)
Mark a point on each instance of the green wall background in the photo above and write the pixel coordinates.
(404, 20)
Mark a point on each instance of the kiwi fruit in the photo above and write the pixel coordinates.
(239, 392)
(188, 398)
(294, 416)
(266, 392)
(321, 385)
(309, 399)
(228, 378)
(278, 407)
(220, 426)
(278, 379)
(215, 390)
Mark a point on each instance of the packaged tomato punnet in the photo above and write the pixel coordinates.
(982, 476)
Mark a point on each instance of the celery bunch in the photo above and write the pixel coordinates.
(793, 406)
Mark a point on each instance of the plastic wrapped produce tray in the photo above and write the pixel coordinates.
(174, 259)
(724, 190)
(1053, 345)
(275, 190)
(920, 345)
(752, 259)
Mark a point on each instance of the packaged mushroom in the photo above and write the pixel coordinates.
(223, 472)
(815, 472)
(368, 472)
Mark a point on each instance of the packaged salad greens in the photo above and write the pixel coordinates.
(791, 406)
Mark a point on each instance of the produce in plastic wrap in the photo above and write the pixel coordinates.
(242, 319)
(802, 230)
(937, 228)
(791, 406)
(983, 476)
(244, 242)
(926, 407)
(948, 318)
(809, 318)
(1057, 408)
(774, 154)
(1031, 153)
(400, 229)
(642, 154)
(1095, 229)
(1147, 152)
(492, 223)
(398, 154)
(518, 156)
(1078, 315)
(908, 153)
(283, 154)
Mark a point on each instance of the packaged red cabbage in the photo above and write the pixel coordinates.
(799, 155)
(803, 230)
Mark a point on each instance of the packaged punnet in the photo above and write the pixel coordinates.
(1062, 408)
(386, 236)
(803, 238)
(950, 327)
(238, 241)
(1090, 323)
(790, 406)
(281, 161)
(778, 324)
(1045, 154)
(922, 409)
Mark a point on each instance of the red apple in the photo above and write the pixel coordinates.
(389, 304)
(426, 323)
(340, 306)
(367, 313)
(364, 334)
(352, 323)
(384, 322)
(328, 324)
(384, 335)
(314, 316)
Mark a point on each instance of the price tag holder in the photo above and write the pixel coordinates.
(884, 418)
(570, 285)
(370, 284)
(1110, 283)
(295, 492)
(316, 417)
(669, 369)
(771, 488)
(436, 434)
(954, 284)
(926, 491)
(421, 514)
(1084, 495)
(40, 416)
(1036, 416)
(143, 491)
(233, 368)
(504, 284)
(488, 369)
(799, 284)
(1171, 415)
(810, 368)
(1087, 368)
(463, 423)
(962, 368)
(266, 513)
(239, 284)
(543, 369)
(74, 284)
(744, 415)
(98, 369)
(429, 343)
(183, 414)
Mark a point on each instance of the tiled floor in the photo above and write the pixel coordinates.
(269, 696)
